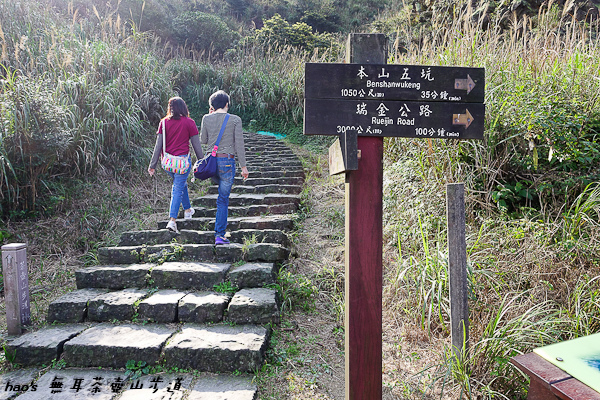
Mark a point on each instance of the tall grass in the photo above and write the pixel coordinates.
(75, 95)
(542, 101)
(532, 200)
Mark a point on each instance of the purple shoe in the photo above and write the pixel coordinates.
(220, 240)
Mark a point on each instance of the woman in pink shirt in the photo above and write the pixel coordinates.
(180, 130)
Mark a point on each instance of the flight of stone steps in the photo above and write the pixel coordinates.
(176, 299)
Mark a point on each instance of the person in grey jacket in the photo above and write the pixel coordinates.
(231, 145)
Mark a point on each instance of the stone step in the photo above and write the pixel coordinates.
(254, 306)
(245, 200)
(275, 157)
(109, 345)
(113, 276)
(258, 140)
(272, 165)
(42, 346)
(257, 137)
(262, 143)
(177, 275)
(161, 306)
(202, 307)
(224, 387)
(257, 154)
(269, 181)
(262, 140)
(119, 305)
(180, 301)
(218, 348)
(277, 173)
(262, 252)
(212, 348)
(271, 157)
(164, 236)
(97, 280)
(263, 168)
(252, 275)
(73, 306)
(78, 384)
(274, 221)
(18, 381)
(245, 211)
(264, 153)
(260, 189)
(188, 275)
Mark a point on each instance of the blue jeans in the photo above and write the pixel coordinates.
(225, 176)
(179, 193)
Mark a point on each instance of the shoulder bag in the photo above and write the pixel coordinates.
(207, 167)
(171, 163)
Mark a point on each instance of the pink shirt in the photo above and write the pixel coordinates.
(178, 135)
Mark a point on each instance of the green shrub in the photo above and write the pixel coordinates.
(206, 32)
(279, 33)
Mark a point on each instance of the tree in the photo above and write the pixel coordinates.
(206, 32)
(321, 22)
(278, 31)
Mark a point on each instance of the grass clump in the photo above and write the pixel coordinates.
(531, 202)
(74, 97)
(225, 287)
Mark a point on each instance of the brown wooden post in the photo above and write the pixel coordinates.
(16, 287)
(364, 191)
(457, 267)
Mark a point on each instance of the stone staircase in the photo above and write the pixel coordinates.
(179, 301)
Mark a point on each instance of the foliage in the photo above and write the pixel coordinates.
(9, 355)
(279, 33)
(583, 214)
(141, 15)
(225, 287)
(298, 291)
(206, 32)
(542, 109)
(322, 22)
(134, 370)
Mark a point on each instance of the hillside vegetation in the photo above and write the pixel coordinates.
(84, 84)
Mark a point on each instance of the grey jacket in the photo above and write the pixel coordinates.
(232, 141)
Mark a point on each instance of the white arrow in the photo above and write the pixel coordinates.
(462, 119)
(464, 84)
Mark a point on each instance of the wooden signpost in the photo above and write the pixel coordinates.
(361, 102)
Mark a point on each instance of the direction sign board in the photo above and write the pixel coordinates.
(394, 82)
(394, 118)
(394, 100)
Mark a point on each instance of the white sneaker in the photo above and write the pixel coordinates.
(172, 226)
(188, 214)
